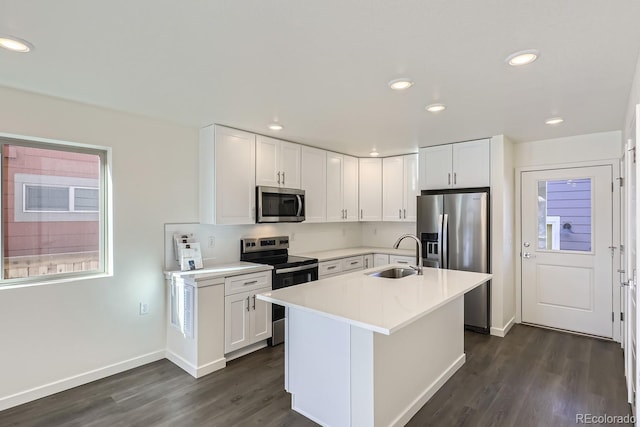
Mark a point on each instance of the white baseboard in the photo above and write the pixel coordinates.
(76, 380)
(502, 332)
(246, 350)
(428, 393)
(196, 371)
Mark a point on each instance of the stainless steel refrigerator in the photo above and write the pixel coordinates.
(454, 230)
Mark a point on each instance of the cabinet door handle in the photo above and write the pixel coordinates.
(250, 282)
(247, 303)
(455, 176)
(283, 178)
(354, 262)
(345, 214)
(404, 212)
(331, 267)
(449, 178)
(278, 177)
(402, 262)
(366, 263)
(360, 213)
(254, 302)
(399, 213)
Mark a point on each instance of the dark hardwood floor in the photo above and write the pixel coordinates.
(532, 377)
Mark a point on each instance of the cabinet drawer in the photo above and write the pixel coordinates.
(327, 268)
(247, 282)
(352, 263)
(399, 259)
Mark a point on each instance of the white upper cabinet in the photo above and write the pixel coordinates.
(314, 183)
(411, 187)
(471, 164)
(277, 163)
(392, 179)
(342, 188)
(400, 187)
(227, 176)
(370, 193)
(461, 165)
(350, 185)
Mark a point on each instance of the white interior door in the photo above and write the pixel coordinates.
(567, 261)
(628, 267)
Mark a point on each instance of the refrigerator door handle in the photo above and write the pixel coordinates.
(445, 238)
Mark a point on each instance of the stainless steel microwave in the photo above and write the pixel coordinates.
(275, 204)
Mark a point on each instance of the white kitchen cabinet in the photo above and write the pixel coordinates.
(227, 176)
(247, 319)
(380, 259)
(400, 187)
(352, 263)
(278, 163)
(342, 188)
(329, 268)
(370, 189)
(314, 183)
(461, 165)
(195, 325)
(368, 261)
(401, 259)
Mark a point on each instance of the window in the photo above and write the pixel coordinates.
(564, 215)
(54, 200)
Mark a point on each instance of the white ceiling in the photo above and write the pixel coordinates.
(321, 67)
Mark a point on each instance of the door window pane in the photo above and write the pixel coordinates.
(564, 215)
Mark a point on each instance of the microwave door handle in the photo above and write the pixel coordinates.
(299, 205)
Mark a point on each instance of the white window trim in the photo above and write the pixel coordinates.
(106, 267)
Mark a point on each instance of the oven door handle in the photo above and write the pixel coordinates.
(294, 269)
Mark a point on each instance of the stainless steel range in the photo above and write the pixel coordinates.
(287, 271)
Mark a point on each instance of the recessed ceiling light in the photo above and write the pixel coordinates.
(374, 153)
(400, 84)
(276, 126)
(554, 121)
(15, 44)
(522, 57)
(435, 108)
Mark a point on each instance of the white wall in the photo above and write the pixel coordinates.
(572, 149)
(634, 99)
(502, 236)
(302, 238)
(56, 336)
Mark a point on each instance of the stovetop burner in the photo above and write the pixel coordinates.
(272, 251)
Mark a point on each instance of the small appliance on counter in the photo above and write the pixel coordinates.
(287, 271)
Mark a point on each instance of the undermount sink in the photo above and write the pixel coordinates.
(394, 273)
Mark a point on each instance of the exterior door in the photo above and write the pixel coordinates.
(566, 253)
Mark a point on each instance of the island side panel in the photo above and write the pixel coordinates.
(318, 363)
(411, 364)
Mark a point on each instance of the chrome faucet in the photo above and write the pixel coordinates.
(419, 255)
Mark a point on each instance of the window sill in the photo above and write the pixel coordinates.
(8, 284)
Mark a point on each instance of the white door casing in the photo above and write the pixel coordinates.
(568, 289)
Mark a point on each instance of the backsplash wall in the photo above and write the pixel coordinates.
(303, 238)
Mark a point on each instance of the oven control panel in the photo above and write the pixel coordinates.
(257, 244)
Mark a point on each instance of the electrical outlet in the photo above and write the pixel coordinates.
(212, 241)
(144, 308)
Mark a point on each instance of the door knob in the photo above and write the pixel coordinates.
(526, 244)
(527, 255)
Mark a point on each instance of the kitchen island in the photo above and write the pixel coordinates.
(371, 351)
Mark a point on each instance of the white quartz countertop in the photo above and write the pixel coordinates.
(378, 304)
(219, 271)
(347, 252)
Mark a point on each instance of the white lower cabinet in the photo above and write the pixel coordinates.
(352, 263)
(247, 320)
(329, 268)
(380, 259)
(400, 259)
(368, 261)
